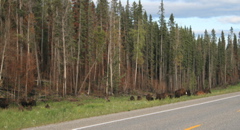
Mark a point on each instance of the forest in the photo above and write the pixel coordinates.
(74, 47)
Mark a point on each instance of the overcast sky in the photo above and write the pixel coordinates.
(199, 14)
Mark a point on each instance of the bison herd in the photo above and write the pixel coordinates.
(177, 94)
(26, 103)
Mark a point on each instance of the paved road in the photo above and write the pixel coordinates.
(213, 113)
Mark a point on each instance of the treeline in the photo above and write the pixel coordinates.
(71, 47)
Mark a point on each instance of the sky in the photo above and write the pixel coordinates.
(201, 15)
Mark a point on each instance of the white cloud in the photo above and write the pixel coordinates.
(202, 8)
(230, 19)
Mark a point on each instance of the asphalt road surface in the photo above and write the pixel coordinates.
(212, 113)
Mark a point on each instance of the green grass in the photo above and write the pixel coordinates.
(12, 118)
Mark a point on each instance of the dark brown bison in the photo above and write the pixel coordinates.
(170, 95)
(28, 102)
(4, 103)
(139, 98)
(161, 96)
(132, 98)
(149, 97)
(180, 92)
(207, 90)
(32, 102)
(188, 92)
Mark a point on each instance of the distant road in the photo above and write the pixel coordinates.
(212, 113)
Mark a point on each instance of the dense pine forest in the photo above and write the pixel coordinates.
(74, 47)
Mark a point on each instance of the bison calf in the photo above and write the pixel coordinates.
(200, 92)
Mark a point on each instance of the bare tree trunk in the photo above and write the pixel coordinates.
(80, 90)
(209, 67)
(58, 67)
(3, 57)
(78, 50)
(136, 65)
(38, 68)
(225, 68)
(109, 54)
(161, 61)
(6, 40)
(17, 54)
(21, 45)
(64, 58)
(176, 78)
(119, 46)
(42, 33)
(28, 46)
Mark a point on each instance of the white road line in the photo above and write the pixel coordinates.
(80, 128)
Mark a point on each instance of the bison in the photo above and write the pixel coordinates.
(207, 90)
(188, 92)
(26, 103)
(180, 92)
(170, 95)
(47, 106)
(149, 97)
(4, 103)
(139, 98)
(161, 96)
(201, 92)
(132, 98)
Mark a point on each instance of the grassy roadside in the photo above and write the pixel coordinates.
(12, 118)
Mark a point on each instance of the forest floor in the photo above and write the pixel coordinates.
(87, 106)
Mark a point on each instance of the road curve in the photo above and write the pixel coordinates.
(216, 112)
